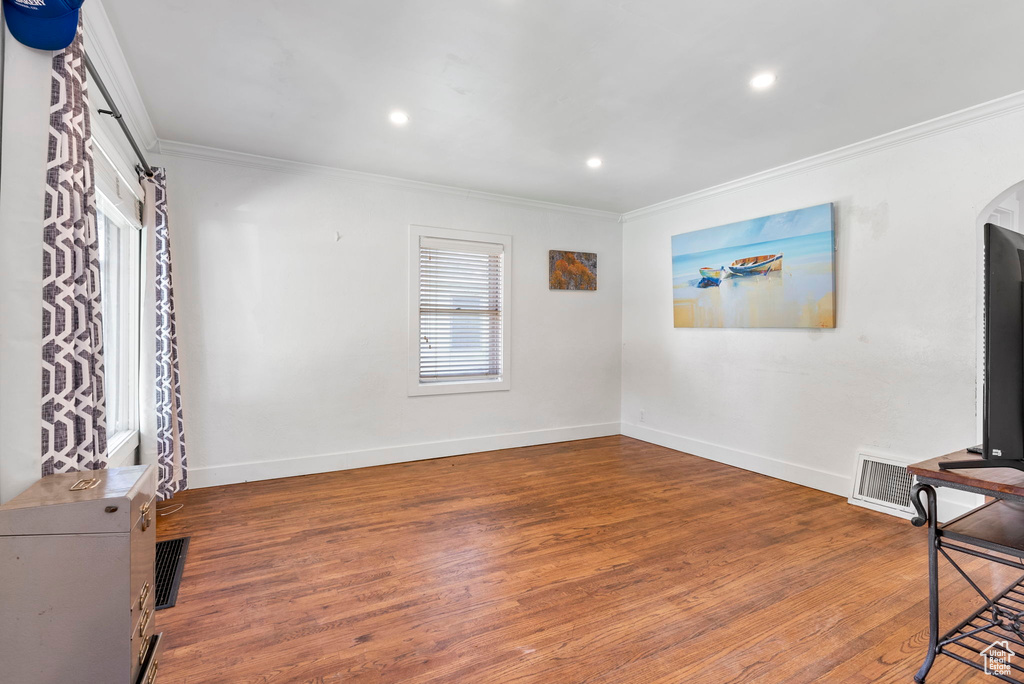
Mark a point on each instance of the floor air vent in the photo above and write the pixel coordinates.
(170, 561)
(883, 484)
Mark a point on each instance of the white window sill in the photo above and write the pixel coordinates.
(121, 448)
(417, 388)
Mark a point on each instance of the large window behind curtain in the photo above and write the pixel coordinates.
(120, 242)
(461, 313)
(118, 208)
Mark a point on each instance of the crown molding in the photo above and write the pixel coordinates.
(105, 51)
(106, 54)
(172, 148)
(926, 129)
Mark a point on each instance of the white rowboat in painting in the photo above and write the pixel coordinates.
(758, 265)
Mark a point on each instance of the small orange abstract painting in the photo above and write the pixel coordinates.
(572, 270)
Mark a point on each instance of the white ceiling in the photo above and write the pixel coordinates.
(512, 96)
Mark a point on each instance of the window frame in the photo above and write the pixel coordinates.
(415, 386)
(122, 445)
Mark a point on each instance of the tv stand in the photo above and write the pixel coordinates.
(995, 533)
(985, 463)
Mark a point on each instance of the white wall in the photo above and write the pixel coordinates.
(292, 301)
(292, 313)
(898, 373)
(26, 106)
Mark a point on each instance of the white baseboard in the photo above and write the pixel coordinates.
(833, 483)
(951, 503)
(307, 465)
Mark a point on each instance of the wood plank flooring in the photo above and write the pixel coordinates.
(606, 561)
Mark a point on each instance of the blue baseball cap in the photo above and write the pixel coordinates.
(43, 24)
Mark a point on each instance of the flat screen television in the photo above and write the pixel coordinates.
(1003, 384)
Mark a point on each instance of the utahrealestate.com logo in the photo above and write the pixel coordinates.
(997, 658)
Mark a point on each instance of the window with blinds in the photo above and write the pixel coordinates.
(460, 310)
(459, 315)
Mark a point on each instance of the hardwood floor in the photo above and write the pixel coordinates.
(607, 560)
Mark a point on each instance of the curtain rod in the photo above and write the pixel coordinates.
(116, 113)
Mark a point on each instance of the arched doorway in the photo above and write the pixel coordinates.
(1006, 210)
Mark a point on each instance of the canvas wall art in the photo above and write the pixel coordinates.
(776, 271)
(572, 270)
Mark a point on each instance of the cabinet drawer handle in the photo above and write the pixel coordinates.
(152, 673)
(146, 520)
(142, 652)
(144, 624)
(144, 595)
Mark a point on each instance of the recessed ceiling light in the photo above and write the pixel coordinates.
(399, 118)
(762, 81)
(594, 162)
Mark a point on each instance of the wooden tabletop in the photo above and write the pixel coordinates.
(998, 480)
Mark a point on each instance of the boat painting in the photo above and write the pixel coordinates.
(713, 276)
(759, 265)
(756, 287)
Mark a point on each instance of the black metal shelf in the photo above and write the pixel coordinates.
(984, 629)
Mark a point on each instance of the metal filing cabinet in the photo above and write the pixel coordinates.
(77, 555)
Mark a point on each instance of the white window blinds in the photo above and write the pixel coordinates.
(460, 310)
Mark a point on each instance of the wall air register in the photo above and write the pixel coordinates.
(883, 484)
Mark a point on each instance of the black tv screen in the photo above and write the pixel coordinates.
(1003, 391)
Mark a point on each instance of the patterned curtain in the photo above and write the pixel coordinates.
(74, 414)
(166, 385)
